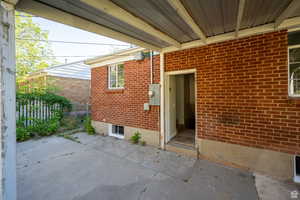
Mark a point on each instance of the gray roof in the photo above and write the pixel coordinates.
(77, 70)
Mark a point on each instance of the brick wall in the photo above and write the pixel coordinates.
(76, 90)
(125, 107)
(242, 92)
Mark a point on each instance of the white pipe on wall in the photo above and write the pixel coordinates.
(151, 67)
(162, 102)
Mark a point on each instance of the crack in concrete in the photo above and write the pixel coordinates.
(190, 171)
(142, 192)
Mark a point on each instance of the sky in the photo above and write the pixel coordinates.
(63, 32)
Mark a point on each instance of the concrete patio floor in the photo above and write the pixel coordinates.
(102, 168)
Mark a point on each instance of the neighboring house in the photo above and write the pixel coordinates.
(70, 80)
(234, 102)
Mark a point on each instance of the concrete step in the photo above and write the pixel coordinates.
(182, 149)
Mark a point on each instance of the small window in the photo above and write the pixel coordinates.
(116, 76)
(297, 169)
(294, 71)
(294, 63)
(116, 131)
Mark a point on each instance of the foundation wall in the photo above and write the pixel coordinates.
(272, 163)
(100, 127)
(149, 136)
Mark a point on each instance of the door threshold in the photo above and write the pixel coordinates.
(182, 149)
(184, 145)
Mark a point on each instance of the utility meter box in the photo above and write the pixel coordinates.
(154, 94)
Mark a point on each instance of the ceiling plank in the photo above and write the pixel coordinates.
(292, 7)
(112, 9)
(240, 16)
(180, 9)
(48, 12)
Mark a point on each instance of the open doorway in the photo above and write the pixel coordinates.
(180, 105)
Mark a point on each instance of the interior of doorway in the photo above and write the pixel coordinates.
(181, 116)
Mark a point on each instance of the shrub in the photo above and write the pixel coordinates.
(41, 127)
(45, 128)
(47, 98)
(135, 138)
(53, 126)
(22, 134)
(88, 126)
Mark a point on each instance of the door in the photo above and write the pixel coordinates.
(171, 130)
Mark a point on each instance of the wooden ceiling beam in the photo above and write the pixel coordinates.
(240, 16)
(121, 14)
(183, 13)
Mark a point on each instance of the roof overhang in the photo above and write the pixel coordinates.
(117, 57)
(168, 25)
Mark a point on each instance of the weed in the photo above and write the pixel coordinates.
(135, 138)
(143, 143)
(88, 126)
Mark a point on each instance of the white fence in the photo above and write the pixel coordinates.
(30, 110)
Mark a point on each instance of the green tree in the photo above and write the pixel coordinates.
(31, 53)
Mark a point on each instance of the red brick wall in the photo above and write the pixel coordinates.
(242, 92)
(126, 107)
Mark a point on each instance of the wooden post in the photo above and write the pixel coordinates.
(7, 103)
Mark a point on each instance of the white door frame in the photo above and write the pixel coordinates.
(170, 130)
(167, 111)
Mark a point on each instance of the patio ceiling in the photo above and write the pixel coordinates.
(169, 24)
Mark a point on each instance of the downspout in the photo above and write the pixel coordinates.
(162, 102)
(151, 67)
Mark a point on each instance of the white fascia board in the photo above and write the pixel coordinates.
(290, 23)
(111, 61)
(114, 56)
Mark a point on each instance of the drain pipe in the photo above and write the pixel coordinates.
(151, 66)
(162, 102)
